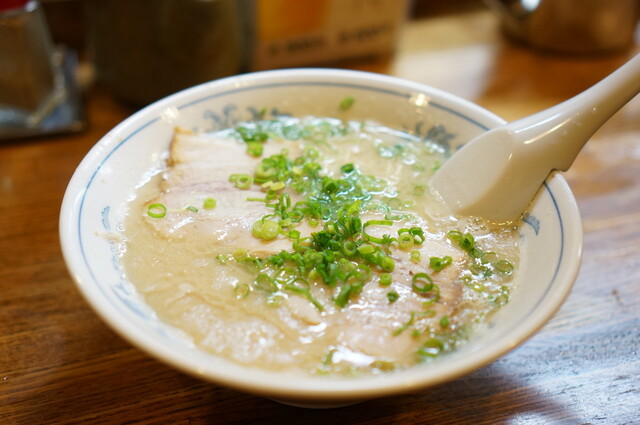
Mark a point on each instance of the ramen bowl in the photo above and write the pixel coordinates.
(96, 199)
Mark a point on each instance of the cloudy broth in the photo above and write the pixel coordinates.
(313, 246)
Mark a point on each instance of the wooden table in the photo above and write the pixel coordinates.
(60, 364)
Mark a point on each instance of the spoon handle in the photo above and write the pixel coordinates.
(558, 134)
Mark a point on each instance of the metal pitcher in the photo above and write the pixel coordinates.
(570, 26)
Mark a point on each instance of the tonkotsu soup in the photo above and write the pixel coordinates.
(313, 246)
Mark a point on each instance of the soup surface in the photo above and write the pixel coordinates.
(313, 246)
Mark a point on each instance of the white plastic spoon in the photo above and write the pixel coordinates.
(497, 174)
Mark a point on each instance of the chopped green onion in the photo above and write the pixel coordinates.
(415, 256)
(349, 248)
(222, 259)
(387, 264)
(192, 208)
(209, 204)
(385, 279)
(241, 290)
(405, 240)
(255, 148)
(416, 232)
(365, 271)
(392, 296)
(252, 263)
(454, 235)
(343, 296)
(478, 269)
(265, 282)
(475, 252)
(275, 186)
(431, 348)
(418, 285)
(241, 181)
(347, 103)
(301, 287)
(375, 223)
(503, 298)
(406, 325)
(266, 229)
(264, 172)
(475, 285)
(444, 322)
(489, 257)
(250, 134)
(286, 275)
(275, 300)
(504, 266)
(157, 210)
(366, 249)
(438, 264)
(347, 168)
(240, 255)
(467, 242)
(329, 358)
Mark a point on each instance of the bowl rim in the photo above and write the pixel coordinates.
(312, 388)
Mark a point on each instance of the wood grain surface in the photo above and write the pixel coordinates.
(59, 364)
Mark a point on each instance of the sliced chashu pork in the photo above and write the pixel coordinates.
(199, 168)
(375, 332)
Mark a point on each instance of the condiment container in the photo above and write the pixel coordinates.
(570, 26)
(31, 85)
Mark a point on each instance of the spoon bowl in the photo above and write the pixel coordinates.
(498, 173)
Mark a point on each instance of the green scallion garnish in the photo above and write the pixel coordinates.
(406, 325)
(444, 321)
(266, 229)
(431, 348)
(392, 296)
(415, 256)
(241, 181)
(241, 290)
(504, 266)
(422, 283)
(438, 264)
(157, 210)
(405, 240)
(347, 103)
(209, 204)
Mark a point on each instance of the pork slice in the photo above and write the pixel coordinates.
(374, 323)
(199, 168)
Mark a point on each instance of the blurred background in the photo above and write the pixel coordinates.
(140, 51)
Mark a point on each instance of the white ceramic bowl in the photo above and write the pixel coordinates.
(96, 198)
